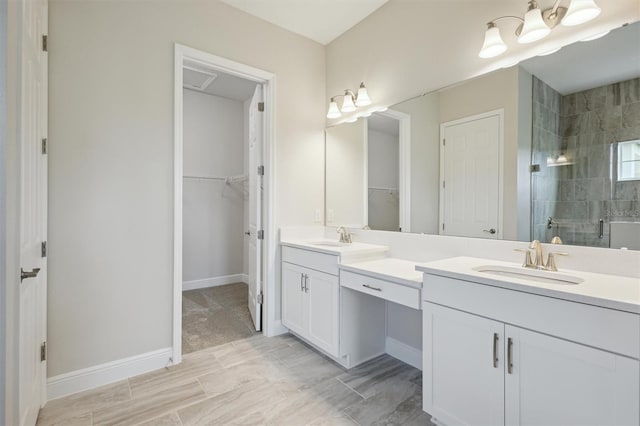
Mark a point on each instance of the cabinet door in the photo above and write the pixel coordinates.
(294, 299)
(323, 292)
(463, 367)
(556, 382)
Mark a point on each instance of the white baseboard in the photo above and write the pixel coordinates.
(92, 377)
(404, 352)
(214, 281)
(277, 329)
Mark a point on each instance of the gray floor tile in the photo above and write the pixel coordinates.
(255, 381)
(78, 405)
(149, 406)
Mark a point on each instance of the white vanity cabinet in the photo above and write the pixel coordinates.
(498, 356)
(310, 297)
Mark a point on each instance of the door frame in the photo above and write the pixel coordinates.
(500, 114)
(404, 167)
(268, 80)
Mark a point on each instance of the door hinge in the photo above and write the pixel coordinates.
(260, 235)
(45, 39)
(443, 185)
(534, 168)
(43, 249)
(443, 226)
(260, 170)
(444, 142)
(44, 146)
(43, 351)
(261, 106)
(260, 298)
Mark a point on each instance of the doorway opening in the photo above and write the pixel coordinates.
(222, 232)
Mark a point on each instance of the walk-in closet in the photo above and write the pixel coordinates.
(217, 135)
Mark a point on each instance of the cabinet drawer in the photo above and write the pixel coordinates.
(322, 262)
(387, 290)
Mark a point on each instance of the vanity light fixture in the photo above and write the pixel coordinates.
(350, 103)
(538, 23)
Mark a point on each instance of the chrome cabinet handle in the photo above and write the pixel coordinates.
(495, 350)
(32, 274)
(490, 231)
(301, 282)
(306, 283)
(509, 356)
(371, 287)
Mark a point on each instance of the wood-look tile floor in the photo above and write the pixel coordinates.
(258, 381)
(215, 316)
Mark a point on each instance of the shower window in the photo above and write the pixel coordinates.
(629, 160)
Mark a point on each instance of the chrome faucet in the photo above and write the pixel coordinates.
(538, 261)
(345, 236)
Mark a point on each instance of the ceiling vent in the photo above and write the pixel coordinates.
(197, 78)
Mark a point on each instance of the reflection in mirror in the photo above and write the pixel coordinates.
(345, 190)
(585, 112)
(383, 192)
(545, 149)
(389, 171)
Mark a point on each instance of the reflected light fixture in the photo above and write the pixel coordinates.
(538, 23)
(350, 103)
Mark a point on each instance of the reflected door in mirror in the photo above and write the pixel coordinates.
(470, 202)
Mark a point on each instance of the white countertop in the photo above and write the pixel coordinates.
(608, 291)
(389, 269)
(355, 248)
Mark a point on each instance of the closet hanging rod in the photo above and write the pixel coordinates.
(376, 188)
(205, 177)
(226, 179)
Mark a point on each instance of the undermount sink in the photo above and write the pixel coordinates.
(329, 243)
(541, 276)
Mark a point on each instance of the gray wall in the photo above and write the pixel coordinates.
(586, 127)
(111, 160)
(213, 212)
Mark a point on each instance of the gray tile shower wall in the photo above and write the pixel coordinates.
(586, 127)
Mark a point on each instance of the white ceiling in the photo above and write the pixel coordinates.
(581, 66)
(226, 86)
(319, 20)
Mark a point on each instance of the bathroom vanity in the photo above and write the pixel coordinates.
(504, 348)
(501, 344)
(334, 296)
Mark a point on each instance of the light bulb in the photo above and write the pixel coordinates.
(363, 98)
(534, 27)
(333, 112)
(493, 44)
(579, 12)
(347, 104)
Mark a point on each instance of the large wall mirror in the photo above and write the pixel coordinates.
(548, 148)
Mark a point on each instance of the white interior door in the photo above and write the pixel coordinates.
(255, 207)
(470, 174)
(33, 209)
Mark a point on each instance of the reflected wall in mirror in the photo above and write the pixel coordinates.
(544, 149)
(345, 175)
